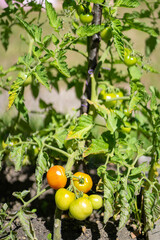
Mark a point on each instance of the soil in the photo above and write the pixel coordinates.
(92, 228)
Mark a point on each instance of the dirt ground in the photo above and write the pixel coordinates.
(92, 228)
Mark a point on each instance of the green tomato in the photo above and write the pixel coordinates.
(96, 201)
(81, 208)
(129, 60)
(86, 18)
(106, 34)
(127, 112)
(64, 198)
(107, 96)
(126, 128)
(28, 80)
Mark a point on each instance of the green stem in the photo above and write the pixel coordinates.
(57, 150)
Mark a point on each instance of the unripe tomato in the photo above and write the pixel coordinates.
(126, 128)
(127, 112)
(106, 34)
(129, 60)
(64, 198)
(56, 177)
(86, 18)
(106, 96)
(28, 80)
(81, 208)
(96, 201)
(83, 9)
(82, 181)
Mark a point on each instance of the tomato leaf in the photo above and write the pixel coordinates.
(54, 21)
(34, 31)
(41, 168)
(60, 63)
(19, 103)
(118, 37)
(97, 146)
(60, 136)
(112, 122)
(127, 3)
(84, 125)
(86, 31)
(21, 195)
(41, 75)
(26, 224)
(16, 156)
(15, 89)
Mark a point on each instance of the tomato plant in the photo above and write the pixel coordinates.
(81, 208)
(82, 181)
(56, 177)
(64, 198)
(111, 121)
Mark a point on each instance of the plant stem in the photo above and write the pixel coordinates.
(93, 48)
(57, 150)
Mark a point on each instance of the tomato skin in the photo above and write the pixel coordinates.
(28, 80)
(129, 60)
(96, 201)
(86, 185)
(81, 208)
(106, 34)
(64, 198)
(56, 177)
(106, 96)
(86, 18)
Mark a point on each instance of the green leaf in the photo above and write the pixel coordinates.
(85, 124)
(108, 209)
(135, 73)
(21, 195)
(127, 3)
(41, 168)
(41, 75)
(97, 146)
(87, 31)
(54, 21)
(125, 207)
(26, 224)
(118, 37)
(112, 122)
(27, 60)
(17, 155)
(60, 136)
(19, 103)
(142, 168)
(60, 63)
(34, 31)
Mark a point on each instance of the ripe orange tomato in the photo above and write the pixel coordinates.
(82, 181)
(56, 177)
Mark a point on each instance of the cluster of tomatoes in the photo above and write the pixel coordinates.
(77, 202)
